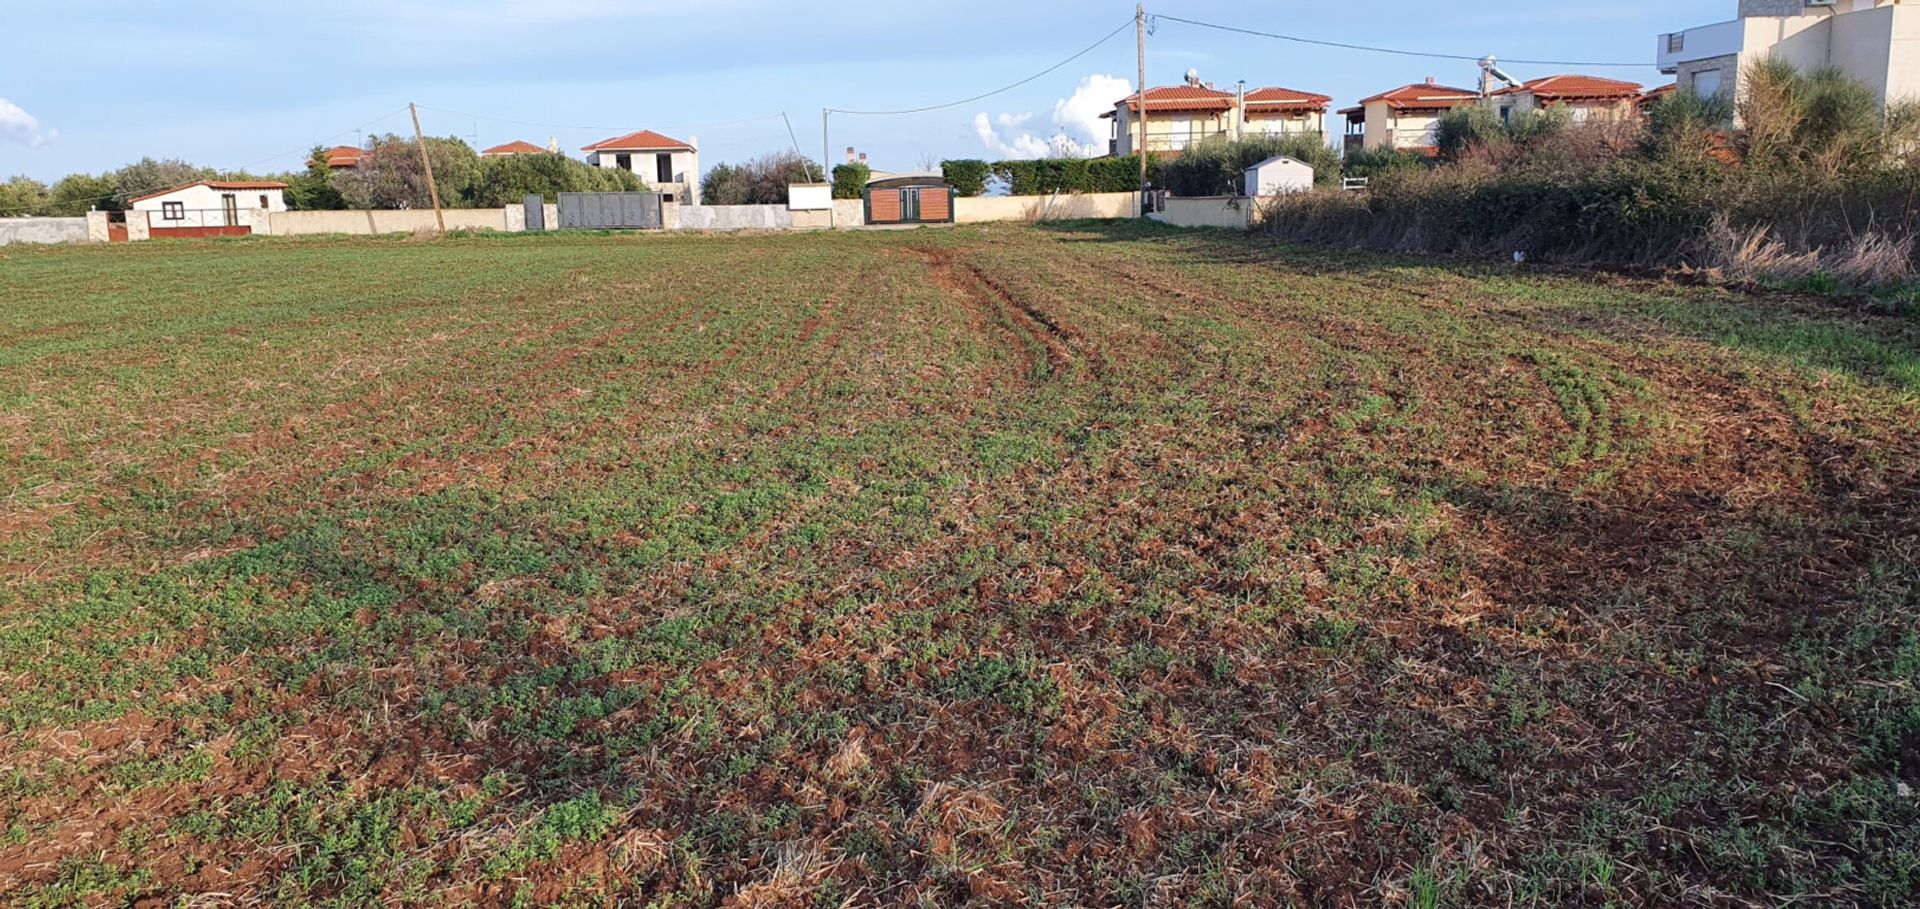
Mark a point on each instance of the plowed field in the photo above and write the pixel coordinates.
(1082, 565)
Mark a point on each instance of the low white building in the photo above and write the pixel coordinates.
(666, 165)
(1278, 176)
(1876, 42)
(210, 207)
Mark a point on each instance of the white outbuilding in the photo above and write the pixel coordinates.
(1278, 176)
(207, 208)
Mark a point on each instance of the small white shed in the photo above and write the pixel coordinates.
(1279, 175)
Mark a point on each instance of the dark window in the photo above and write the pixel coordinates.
(623, 161)
(667, 198)
(173, 211)
(664, 168)
(263, 200)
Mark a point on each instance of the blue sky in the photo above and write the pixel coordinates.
(227, 83)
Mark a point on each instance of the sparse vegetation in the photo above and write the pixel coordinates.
(1815, 190)
(1086, 564)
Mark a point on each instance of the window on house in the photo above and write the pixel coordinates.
(663, 168)
(173, 211)
(1706, 83)
(263, 200)
(623, 161)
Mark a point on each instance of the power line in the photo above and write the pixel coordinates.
(921, 110)
(1382, 50)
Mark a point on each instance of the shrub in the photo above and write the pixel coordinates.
(1216, 166)
(509, 179)
(967, 176)
(1478, 126)
(762, 181)
(850, 181)
(1377, 162)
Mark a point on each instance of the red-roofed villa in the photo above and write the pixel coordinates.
(1180, 115)
(516, 147)
(1405, 117)
(1586, 98)
(666, 165)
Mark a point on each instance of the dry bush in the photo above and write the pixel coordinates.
(1753, 253)
(1874, 259)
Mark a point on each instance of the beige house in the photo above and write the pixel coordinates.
(666, 165)
(1587, 99)
(1404, 118)
(1180, 115)
(1876, 42)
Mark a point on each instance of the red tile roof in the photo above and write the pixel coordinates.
(212, 184)
(1268, 99)
(1653, 95)
(644, 140)
(344, 155)
(1422, 96)
(516, 147)
(1575, 88)
(1181, 98)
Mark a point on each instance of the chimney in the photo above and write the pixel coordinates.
(553, 144)
(1433, 80)
(863, 157)
(850, 155)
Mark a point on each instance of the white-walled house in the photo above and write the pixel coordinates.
(210, 207)
(1404, 118)
(666, 165)
(1876, 42)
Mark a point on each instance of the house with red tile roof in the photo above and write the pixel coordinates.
(344, 157)
(1654, 96)
(1586, 98)
(1404, 118)
(206, 208)
(516, 147)
(665, 164)
(1180, 115)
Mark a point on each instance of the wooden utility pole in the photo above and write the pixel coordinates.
(1140, 31)
(433, 189)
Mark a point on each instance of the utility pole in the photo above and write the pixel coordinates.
(1140, 32)
(427, 163)
(826, 155)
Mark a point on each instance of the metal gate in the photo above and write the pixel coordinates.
(611, 211)
(536, 212)
(910, 205)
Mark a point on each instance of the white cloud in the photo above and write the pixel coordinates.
(1023, 145)
(1080, 114)
(1079, 132)
(17, 125)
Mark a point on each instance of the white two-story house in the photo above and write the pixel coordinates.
(666, 165)
(1876, 42)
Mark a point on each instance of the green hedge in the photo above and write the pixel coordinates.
(1069, 175)
(967, 176)
(850, 181)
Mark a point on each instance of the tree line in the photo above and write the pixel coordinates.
(390, 175)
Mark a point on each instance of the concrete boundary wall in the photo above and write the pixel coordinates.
(375, 223)
(1230, 212)
(43, 230)
(728, 217)
(980, 209)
